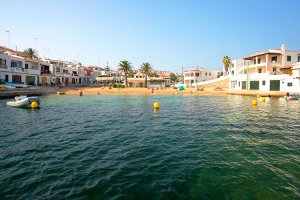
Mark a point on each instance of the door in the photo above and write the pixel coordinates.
(275, 85)
(57, 81)
(16, 79)
(30, 80)
(6, 78)
(254, 85)
(244, 84)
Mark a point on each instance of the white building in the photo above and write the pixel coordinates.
(269, 70)
(106, 76)
(17, 69)
(56, 68)
(194, 76)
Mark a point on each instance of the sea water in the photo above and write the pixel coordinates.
(118, 147)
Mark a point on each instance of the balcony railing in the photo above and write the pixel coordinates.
(45, 72)
(3, 66)
(271, 64)
(18, 69)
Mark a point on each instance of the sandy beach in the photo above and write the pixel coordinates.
(169, 91)
(140, 91)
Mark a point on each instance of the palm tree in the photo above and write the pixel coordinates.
(126, 68)
(146, 69)
(173, 77)
(226, 62)
(31, 52)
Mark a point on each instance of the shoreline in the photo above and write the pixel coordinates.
(11, 93)
(169, 91)
(140, 91)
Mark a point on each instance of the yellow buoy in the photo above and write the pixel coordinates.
(34, 104)
(257, 96)
(156, 105)
(254, 102)
(263, 99)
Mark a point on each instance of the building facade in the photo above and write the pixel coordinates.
(194, 76)
(271, 70)
(17, 69)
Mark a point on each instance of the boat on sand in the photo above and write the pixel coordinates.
(292, 97)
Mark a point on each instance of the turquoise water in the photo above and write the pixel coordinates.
(117, 147)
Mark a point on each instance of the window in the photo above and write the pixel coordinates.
(205, 74)
(274, 59)
(298, 58)
(263, 82)
(2, 62)
(26, 66)
(13, 64)
(258, 61)
(210, 74)
(239, 83)
(289, 84)
(232, 72)
(254, 61)
(197, 74)
(259, 70)
(289, 58)
(274, 69)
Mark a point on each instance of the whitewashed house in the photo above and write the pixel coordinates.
(194, 76)
(269, 70)
(16, 67)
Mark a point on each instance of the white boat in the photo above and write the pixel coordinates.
(24, 102)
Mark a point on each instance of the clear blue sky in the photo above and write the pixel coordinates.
(167, 33)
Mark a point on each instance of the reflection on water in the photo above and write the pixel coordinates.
(193, 147)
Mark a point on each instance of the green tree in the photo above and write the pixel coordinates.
(31, 52)
(226, 62)
(147, 70)
(126, 68)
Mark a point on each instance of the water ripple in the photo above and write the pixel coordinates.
(116, 147)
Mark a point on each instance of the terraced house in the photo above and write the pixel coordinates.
(18, 67)
(270, 70)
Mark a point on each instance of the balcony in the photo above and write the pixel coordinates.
(3, 67)
(18, 70)
(45, 72)
(263, 64)
(33, 71)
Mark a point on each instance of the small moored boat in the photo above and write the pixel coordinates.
(24, 102)
(292, 97)
(60, 93)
